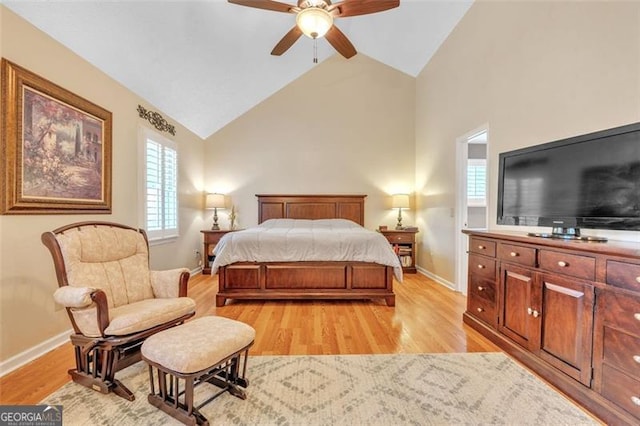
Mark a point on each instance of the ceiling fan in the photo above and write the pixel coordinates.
(314, 18)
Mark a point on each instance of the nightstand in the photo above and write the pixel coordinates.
(404, 244)
(211, 238)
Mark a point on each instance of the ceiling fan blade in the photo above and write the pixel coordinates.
(347, 8)
(287, 41)
(340, 42)
(264, 4)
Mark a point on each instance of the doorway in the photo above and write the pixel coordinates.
(472, 195)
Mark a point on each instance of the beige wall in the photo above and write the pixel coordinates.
(534, 72)
(342, 128)
(28, 315)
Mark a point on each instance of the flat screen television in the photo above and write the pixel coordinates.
(587, 181)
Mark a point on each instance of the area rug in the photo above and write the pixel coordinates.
(403, 389)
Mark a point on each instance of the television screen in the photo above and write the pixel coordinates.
(590, 181)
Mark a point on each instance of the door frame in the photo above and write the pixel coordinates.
(461, 240)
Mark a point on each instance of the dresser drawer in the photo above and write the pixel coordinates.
(622, 274)
(517, 254)
(620, 311)
(621, 389)
(482, 287)
(569, 264)
(399, 237)
(482, 266)
(482, 309)
(622, 350)
(480, 246)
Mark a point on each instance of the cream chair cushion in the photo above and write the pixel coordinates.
(111, 259)
(134, 317)
(116, 261)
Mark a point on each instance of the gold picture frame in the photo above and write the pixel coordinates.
(55, 148)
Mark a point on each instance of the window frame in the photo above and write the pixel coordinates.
(165, 234)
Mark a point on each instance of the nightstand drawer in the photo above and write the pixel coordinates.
(483, 266)
(399, 237)
(622, 274)
(517, 254)
(485, 247)
(569, 264)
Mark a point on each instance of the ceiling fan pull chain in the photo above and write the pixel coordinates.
(315, 50)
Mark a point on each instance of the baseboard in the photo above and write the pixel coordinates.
(195, 271)
(36, 351)
(436, 278)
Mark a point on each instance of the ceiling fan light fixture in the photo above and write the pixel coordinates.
(314, 22)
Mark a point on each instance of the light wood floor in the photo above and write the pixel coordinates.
(427, 318)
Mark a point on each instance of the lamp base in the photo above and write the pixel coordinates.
(215, 226)
(399, 225)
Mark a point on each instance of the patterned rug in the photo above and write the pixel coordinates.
(424, 389)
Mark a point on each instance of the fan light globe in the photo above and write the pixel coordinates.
(314, 22)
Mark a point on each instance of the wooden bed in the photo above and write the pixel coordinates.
(307, 280)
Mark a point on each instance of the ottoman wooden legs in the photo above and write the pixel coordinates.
(177, 399)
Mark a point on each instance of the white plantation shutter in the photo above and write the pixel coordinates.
(477, 182)
(160, 186)
(170, 190)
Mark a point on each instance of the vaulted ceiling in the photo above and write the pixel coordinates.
(204, 63)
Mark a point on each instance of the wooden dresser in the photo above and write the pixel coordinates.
(570, 310)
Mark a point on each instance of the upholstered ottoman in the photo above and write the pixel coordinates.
(208, 349)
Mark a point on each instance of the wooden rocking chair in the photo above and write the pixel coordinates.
(113, 300)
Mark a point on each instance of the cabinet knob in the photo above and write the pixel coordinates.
(514, 254)
(638, 279)
(637, 316)
(635, 400)
(480, 288)
(562, 264)
(481, 247)
(480, 310)
(536, 314)
(481, 266)
(636, 358)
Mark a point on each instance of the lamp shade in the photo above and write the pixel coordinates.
(214, 201)
(400, 201)
(314, 22)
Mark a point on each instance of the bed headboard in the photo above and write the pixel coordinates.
(311, 207)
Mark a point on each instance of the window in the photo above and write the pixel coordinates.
(159, 186)
(477, 182)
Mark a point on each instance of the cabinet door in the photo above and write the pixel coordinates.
(566, 322)
(516, 292)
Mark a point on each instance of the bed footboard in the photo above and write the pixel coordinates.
(305, 280)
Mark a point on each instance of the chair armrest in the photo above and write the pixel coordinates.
(83, 297)
(169, 284)
(74, 297)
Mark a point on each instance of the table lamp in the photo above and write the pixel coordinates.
(400, 201)
(215, 202)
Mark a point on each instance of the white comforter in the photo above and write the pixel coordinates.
(293, 240)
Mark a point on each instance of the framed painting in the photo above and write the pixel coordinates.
(55, 146)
